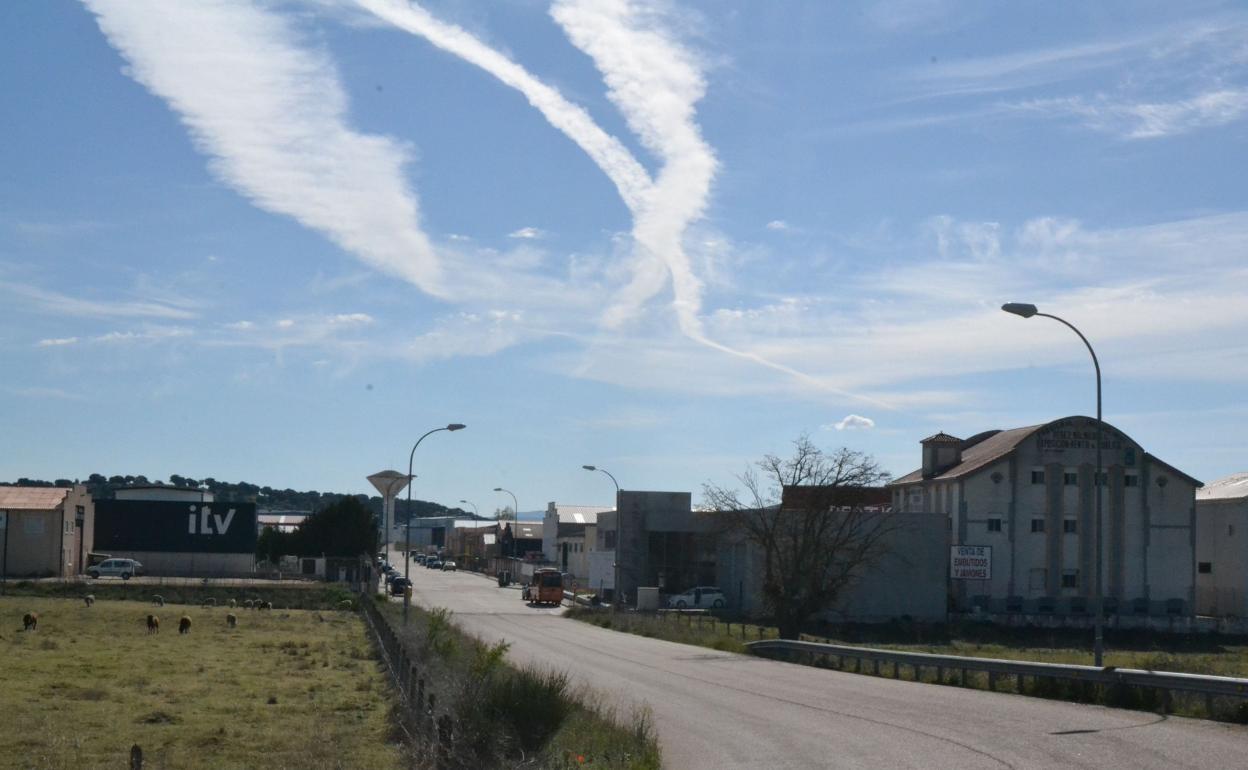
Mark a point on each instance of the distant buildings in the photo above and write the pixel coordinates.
(1027, 497)
(1222, 547)
(46, 531)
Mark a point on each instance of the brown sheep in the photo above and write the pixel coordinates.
(89, 599)
(231, 620)
(30, 621)
(209, 602)
(184, 625)
(153, 624)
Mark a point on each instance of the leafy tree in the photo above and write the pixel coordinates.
(346, 528)
(505, 514)
(807, 515)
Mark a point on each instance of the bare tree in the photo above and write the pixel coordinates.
(811, 517)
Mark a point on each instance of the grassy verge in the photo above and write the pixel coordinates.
(1203, 654)
(504, 716)
(285, 689)
(289, 595)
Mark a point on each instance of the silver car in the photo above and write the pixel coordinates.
(122, 568)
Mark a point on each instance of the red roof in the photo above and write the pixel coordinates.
(32, 498)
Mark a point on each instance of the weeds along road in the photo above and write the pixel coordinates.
(721, 710)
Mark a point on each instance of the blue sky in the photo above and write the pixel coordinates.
(278, 241)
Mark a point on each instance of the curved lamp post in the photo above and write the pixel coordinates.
(515, 510)
(475, 510)
(407, 545)
(619, 533)
(1098, 644)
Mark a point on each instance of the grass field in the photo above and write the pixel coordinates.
(286, 689)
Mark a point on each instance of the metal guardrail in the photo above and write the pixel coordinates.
(1164, 681)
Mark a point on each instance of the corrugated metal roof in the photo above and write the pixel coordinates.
(1233, 487)
(32, 498)
(579, 514)
(983, 453)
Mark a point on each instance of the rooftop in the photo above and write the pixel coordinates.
(32, 498)
(1233, 487)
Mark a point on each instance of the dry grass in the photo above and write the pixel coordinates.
(286, 689)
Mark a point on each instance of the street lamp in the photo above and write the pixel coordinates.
(407, 545)
(619, 533)
(475, 510)
(516, 517)
(1098, 645)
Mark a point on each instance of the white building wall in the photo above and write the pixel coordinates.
(1222, 542)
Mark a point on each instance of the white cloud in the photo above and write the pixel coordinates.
(241, 325)
(63, 304)
(853, 422)
(1148, 120)
(779, 225)
(272, 116)
(153, 333)
(286, 323)
(352, 319)
(57, 341)
(527, 233)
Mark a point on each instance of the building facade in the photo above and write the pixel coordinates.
(1027, 498)
(1222, 547)
(45, 531)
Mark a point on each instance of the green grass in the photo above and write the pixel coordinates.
(518, 716)
(286, 689)
(286, 595)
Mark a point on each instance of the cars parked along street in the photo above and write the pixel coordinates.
(701, 597)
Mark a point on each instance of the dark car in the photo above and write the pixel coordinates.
(433, 564)
(391, 575)
(398, 585)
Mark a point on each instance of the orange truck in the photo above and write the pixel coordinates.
(546, 587)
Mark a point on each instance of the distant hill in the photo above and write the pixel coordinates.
(102, 488)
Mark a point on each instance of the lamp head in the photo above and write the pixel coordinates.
(589, 467)
(499, 489)
(1020, 309)
(465, 501)
(456, 426)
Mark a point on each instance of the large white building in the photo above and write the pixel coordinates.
(569, 534)
(1028, 495)
(1222, 547)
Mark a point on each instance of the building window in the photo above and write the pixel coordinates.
(949, 523)
(32, 525)
(608, 539)
(1070, 526)
(69, 527)
(994, 525)
(1205, 567)
(1037, 477)
(1037, 525)
(1130, 480)
(1037, 579)
(1070, 578)
(1070, 479)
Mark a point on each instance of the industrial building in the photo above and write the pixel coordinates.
(45, 531)
(1222, 547)
(1022, 503)
(569, 532)
(175, 531)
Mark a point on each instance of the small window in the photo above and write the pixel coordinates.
(1205, 567)
(1070, 526)
(1037, 477)
(1037, 525)
(1070, 479)
(1230, 530)
(949, 523)
(1130, 480)
(994, 525)
(1070, 578)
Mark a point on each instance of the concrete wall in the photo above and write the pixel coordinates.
(909, 580)
(167, 564)
(1222, 542)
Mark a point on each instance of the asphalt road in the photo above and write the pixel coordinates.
(720, 710)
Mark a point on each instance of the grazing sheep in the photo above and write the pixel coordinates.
(184, 625)
(266, 605)
(158, 600)
(346, 604)
(233, 604)
(209, 602)
(153, 624)
(30, 621)
(248, 604)
(89, 599)
(231, 620)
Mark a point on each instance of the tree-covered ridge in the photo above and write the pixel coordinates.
(266, 498)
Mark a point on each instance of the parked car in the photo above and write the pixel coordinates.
(433, 564)
(701, 597)
(122, 568)
(449, 566)
(391, 575)
(398, 585)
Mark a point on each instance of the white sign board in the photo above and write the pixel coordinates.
(488, 539)
(970, 562)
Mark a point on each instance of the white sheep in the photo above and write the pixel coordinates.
(89, 599)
